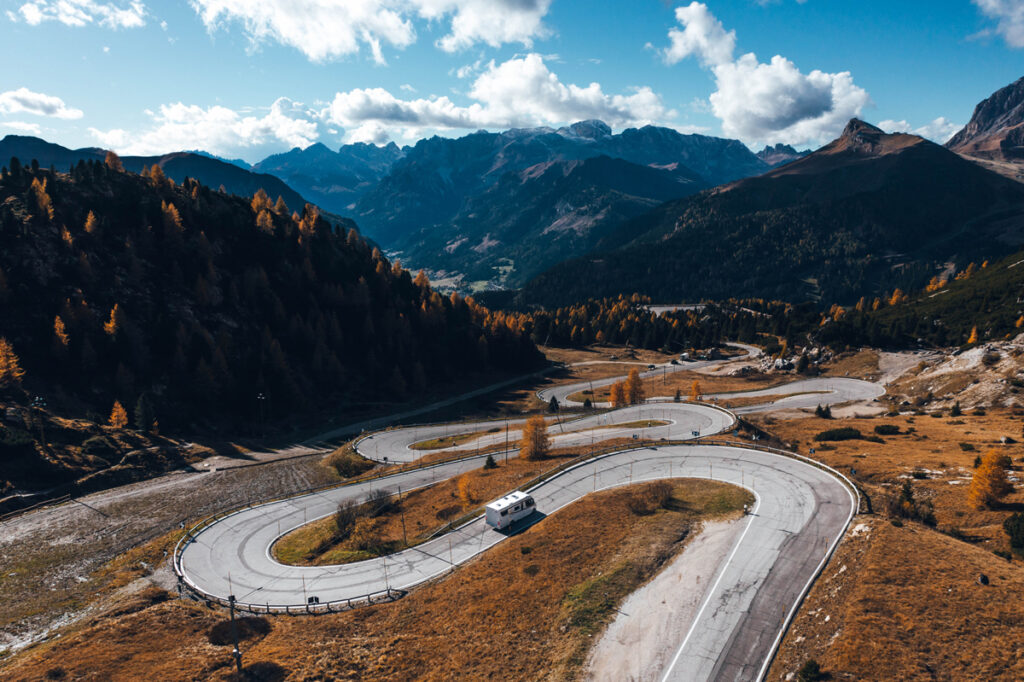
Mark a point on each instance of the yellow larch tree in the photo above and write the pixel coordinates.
(695, 391)
(118, 416)
(534, 443)
(635, 387)
(11, 372)
(990, 483)
(618, 394)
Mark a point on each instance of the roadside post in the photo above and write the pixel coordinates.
(237, 653)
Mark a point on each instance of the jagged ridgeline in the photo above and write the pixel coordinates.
(114, 285)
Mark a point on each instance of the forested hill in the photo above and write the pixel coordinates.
(865, 214)
(115, 285)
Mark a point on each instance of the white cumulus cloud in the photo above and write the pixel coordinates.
(23, 127)
(1009, 16)
(325, 30)
(939, 130)
(519, 92)
(494, 22)
(130, 14)
(701, 36)
(24, 101)
(218, 130)
(763, 102)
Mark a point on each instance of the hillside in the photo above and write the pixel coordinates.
(994, 137)
(860, 216)
(115, 286)
(432, 183)
(533, 219)
(207, 169)
(986, 299)
(334, 180)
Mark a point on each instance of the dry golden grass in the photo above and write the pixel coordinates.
(667, 384)
(422, 511)
(604, 354)
(861, 364)
(933, 450)
(905, 604)
(524, 610)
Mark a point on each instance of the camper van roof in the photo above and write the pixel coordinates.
(508, 500)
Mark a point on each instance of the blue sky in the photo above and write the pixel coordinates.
(245, 78)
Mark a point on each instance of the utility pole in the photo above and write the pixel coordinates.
(237, 653)
(506, 440)
(261, 400)
(405, 538)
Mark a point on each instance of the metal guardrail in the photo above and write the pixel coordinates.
(391, 594)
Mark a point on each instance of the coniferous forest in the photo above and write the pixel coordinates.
(123, 287)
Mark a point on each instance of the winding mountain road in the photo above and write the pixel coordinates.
(802, 512)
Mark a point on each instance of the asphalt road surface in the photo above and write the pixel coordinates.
(801, 513)
(684, 421)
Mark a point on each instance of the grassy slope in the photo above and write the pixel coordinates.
(524, 610)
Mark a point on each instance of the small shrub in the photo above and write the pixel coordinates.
(57, 673)
(845, 433)
(919, 474)
(810, 672)
(348, 463)
(887, 429)
(956, 411)
(448, 513)
(248, 627)
(977, 461)
(489, 463)
(1014, 527)
(823, 412)
(525, 549)
(345, 518)
(587, 405)
(379, 502)
(896, 522)
(531, 570)
(873, 439)
(967, 447)
(979, 412)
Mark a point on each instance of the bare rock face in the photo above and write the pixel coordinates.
(997, 126)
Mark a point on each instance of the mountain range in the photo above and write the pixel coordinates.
(530, 220)
(994, 137)
(430, 185)
(866, 213)
(209, 170)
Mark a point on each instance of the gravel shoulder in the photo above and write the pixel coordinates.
(633, 645)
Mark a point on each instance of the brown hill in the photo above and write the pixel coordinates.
(995, 134)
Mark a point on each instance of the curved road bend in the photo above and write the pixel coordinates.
(801, 512)
(683, 420)
(562, 393)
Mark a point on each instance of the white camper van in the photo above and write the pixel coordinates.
(503, 512)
